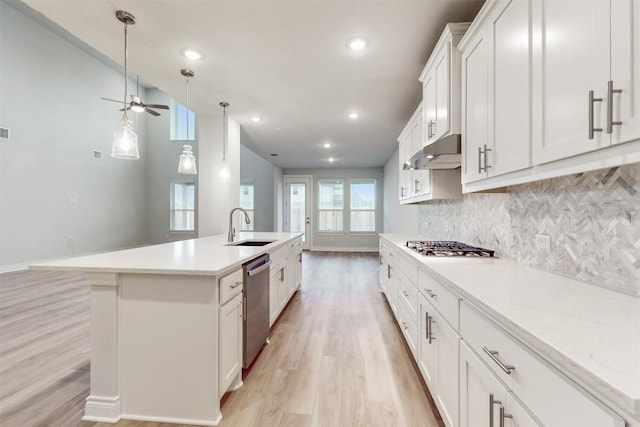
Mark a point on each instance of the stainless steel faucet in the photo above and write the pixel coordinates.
(232, 231)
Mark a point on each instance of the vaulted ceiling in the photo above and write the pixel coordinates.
(284, 61)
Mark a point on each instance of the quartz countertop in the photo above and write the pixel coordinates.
(591, 333)
(201, 256)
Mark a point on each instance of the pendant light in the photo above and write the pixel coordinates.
(187, 163)
(125, 140)
(225, 171)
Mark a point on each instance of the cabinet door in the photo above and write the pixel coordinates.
(429, 100)
(479, 391)
(625, 69)
(510, 79)
(447, 349)
(428, 355)
(230, 343)
(475, 106)
(571, 58)
(443, 99)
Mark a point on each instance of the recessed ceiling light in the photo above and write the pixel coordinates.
(192, 54)
(326, 145)
(354, 115)
(256, 119)
(331, 159)
(357, 43)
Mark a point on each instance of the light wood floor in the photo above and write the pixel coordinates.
(335, 358)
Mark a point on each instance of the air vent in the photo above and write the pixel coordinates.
(4, 133)
(97, 155)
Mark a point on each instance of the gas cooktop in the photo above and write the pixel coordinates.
(447, 248)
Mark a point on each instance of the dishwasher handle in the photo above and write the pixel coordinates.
(255, 271)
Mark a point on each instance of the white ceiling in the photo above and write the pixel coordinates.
(286, 61)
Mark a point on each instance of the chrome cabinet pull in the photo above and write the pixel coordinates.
(405, 325)
(430, 293)
(417, 186)
(493, 354)
(380, 259)
(430, 132)
(282, 274)
(592, 100)
(503, 416)
(244, 308)
(430, 323)
(486, 162)
(492, 402)
(402, 191)
(479, 159)
(236, 285)
(610, 92)
(426, 324)
(405, 293)
(388, 272)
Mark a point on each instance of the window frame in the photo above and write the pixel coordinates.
(342, 231)
(243, 225)
(175, 123)
(374, 210)
(172, 209)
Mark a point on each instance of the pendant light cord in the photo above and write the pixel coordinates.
(124, 114)
(224, 134)
(187, 90)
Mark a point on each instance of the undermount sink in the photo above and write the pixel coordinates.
(251, 243)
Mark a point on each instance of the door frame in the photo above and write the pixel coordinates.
(308, 179)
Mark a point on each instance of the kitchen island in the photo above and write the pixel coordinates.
(155, 326)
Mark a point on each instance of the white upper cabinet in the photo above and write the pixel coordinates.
(557, 83)
(571, 61)
(441, 85)
(496, 91)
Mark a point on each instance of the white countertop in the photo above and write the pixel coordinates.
(201, 256)
(591, 333)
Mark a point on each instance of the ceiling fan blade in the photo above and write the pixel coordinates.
(163, 107)
(153, 113)
(112, 100)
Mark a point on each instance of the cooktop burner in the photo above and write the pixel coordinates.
(447, 248)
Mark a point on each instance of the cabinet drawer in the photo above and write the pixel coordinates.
(549, 395)
(442, 298)
(408, 326)
(409, 267)
(408, 294)
(230, 285)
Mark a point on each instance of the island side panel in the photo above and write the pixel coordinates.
(103, 403)
(169, 348)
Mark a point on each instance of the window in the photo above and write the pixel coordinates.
(363, 205)
(179, 122)
(246, 203)
(183, 202)
(330, 205)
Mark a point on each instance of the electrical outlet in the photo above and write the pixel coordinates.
(543, 243)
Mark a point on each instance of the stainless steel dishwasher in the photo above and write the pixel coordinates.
(255, 328)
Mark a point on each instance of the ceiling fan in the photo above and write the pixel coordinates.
(137, 105)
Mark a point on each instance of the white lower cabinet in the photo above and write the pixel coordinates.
(438, 360)
(484, 400)
(230, 344)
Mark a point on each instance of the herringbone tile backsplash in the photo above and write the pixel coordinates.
(593, 220)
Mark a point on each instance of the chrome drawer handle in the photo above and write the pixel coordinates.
(610, 92)
(493, 354)
(405, 325)
(492, 402)
(430, 323)
(503, 416)
(592, 129)
(430, 293)
(236, 285)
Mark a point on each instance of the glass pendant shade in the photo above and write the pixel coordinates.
(225, 172)
(187, 163)
(125, 141)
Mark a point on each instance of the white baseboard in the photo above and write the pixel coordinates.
(170, 420)
(102, 409)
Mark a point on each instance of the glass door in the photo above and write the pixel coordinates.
(298, 208)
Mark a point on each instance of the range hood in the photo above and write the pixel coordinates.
(444, 153)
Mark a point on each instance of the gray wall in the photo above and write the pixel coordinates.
(344, 241)
(50, 92)
(397, 218)
(262, 174)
